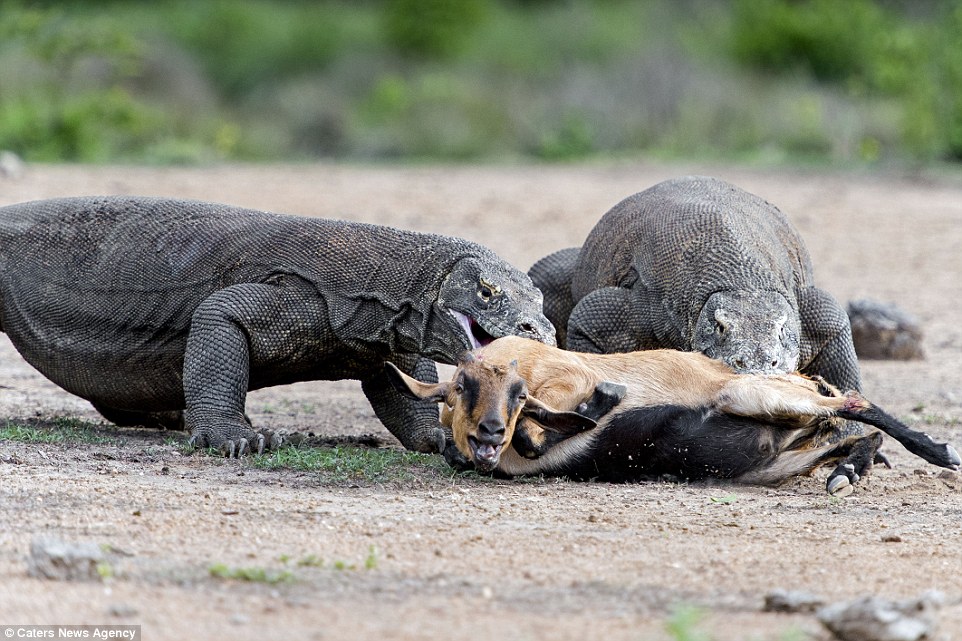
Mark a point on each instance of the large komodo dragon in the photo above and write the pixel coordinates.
(147, 307)
(698, 264)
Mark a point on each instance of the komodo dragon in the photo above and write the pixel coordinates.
(147, 307)
(698, 264)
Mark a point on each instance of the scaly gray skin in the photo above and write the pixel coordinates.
(697, 264)
(147, 307)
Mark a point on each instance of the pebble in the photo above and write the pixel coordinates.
(873, 618)
(883, 331)
(61, 561)
(792, 601)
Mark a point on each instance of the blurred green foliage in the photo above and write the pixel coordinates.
(199, 80)
(431, 28)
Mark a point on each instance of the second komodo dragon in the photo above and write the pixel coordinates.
(698, 264)
(166, 312)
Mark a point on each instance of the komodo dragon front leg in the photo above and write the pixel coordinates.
(827, 351)
(414, 422)
(253, 335)
(552, 275)
(826, 348)
(234, 332)
(617, 319)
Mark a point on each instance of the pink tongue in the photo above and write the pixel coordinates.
(486, 452)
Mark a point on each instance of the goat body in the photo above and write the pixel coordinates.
(681, 414)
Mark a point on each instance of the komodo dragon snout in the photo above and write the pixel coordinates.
(481, 300)
(751, 331)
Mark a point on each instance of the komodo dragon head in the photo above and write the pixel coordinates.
(483, 299)
(751, 331)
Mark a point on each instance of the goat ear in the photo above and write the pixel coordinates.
(564, 423)
(413, 388)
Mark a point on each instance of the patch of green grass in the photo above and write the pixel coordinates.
(250, 574)
(731, 498)
(53, 431)
(682, 625)
(311, 561)
(105, 571)
(370, 561)
(922, 417)
(355, 463)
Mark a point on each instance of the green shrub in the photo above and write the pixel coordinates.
(64, 114)
(245, 44)
(431, 28)
(831, 39)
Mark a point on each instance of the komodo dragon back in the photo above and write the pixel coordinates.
(690, 237)
(707, 254)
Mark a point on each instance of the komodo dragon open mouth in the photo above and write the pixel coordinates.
(475, 333)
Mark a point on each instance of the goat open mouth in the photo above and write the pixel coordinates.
(477, 335)
(485, 455)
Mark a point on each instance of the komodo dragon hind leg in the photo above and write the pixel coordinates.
(172, 420)
(414, 423)
(552, 275)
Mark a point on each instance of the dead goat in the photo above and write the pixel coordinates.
(620, 417)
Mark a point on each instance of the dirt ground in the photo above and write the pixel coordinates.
(462, 557)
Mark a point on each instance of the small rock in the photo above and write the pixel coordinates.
(891, 538)
(10, 165)
(876, 619)
(122, 610)
(883, 331)
(792, 601)
(61, 561)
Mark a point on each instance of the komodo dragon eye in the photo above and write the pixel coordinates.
(487, 291)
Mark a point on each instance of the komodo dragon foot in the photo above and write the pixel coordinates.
(237, 443)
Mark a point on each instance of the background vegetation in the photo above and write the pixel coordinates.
(199, 80)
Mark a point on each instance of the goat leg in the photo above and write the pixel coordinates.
(604, 399)
(857, 463)
(856, 408)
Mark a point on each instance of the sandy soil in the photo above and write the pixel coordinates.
(460, 557)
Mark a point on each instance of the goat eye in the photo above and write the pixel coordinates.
(459, 388)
